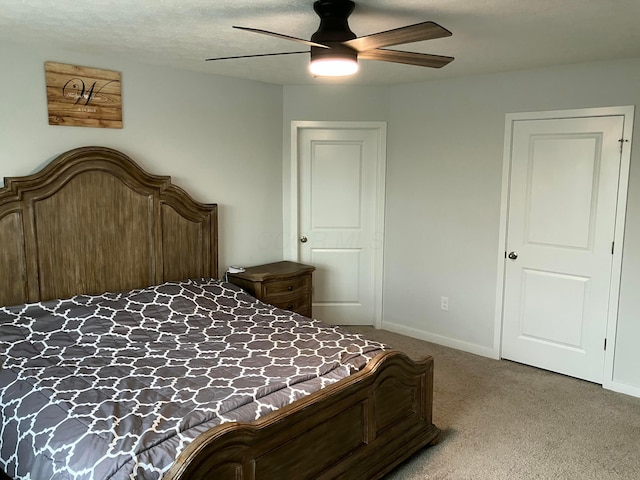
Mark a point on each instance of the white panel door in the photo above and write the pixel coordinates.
(338, 206)
(561, 221)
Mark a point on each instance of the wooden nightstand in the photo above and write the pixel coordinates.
(285, 284)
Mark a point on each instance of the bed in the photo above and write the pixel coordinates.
(118, 268)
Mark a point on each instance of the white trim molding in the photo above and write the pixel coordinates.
(439, 339)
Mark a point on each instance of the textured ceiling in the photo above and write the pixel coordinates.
(488, 35)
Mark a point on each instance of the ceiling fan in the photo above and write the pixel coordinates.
(335, 49)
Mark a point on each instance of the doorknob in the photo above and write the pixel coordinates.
(303, 239)
(513, 255)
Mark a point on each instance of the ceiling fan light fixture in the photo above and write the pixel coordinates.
(333, 67)
(335, 49)
(335, 61)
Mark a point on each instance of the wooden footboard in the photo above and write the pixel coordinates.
(360, 428)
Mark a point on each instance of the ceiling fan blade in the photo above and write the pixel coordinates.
(408, 58)
(284, 37)
(258, 55)
(408, 34)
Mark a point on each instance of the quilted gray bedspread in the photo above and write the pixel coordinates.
(115, 386)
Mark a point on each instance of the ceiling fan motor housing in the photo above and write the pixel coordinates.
(334, 26)
(337, 51)
(333, 30)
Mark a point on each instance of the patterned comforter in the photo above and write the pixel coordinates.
(115, 386)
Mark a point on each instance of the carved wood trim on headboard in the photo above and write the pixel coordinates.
(93, 221)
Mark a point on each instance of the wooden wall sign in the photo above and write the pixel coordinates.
(83, 96)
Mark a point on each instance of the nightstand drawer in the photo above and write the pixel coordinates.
(300, 304)
(279, 291)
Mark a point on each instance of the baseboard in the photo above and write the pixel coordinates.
(621, 388)
(439, 339)
(486, 352)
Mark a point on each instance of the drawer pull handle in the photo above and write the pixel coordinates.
(289, 307)
(290, 287)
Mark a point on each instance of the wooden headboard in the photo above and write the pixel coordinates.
(93, 221)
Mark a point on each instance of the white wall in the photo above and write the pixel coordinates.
(219, 138)
(444, 170)
(443, 183)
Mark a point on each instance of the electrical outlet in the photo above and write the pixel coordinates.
(444, 303)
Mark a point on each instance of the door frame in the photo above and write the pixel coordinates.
(623, 183)
(381, 168)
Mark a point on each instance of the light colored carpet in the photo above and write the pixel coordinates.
(505, 421)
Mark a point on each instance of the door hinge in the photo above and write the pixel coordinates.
(622, 142)
(605, 343)
(612, 245)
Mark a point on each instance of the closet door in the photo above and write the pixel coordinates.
(561, 222)
(340, 231)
